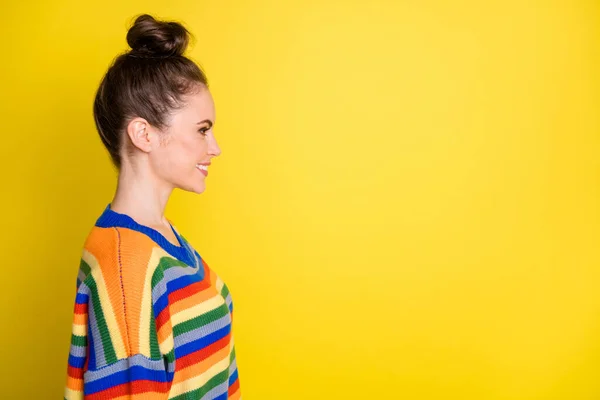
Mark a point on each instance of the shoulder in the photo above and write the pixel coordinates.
(118, 264)
(120, 256)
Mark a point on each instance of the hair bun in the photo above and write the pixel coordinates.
(156, 39)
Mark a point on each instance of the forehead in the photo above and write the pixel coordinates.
(198, 106)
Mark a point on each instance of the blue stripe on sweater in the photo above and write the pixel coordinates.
(201, 343)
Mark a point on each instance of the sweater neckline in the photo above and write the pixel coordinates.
(110, 218)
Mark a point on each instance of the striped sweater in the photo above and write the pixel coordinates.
(151, 319)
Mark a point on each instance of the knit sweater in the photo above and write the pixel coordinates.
(151, 319)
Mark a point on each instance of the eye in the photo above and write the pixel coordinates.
(203, 131)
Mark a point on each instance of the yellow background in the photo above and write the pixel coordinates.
(405, 207)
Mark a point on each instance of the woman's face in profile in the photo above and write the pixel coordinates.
(189, 142)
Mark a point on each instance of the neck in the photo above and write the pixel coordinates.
(140, 195)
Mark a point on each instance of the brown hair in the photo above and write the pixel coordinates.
(148, 81)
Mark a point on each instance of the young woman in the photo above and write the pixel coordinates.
(151, 319)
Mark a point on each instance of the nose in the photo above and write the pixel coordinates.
(214, 148)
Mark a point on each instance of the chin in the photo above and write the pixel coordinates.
(195, 187)
(193, 184)
(199, 188)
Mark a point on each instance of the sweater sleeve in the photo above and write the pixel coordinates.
(78, 351)
(233, 385)
(106, 361)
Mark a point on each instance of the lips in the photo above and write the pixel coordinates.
(203, 168)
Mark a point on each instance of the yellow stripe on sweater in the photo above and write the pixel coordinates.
(107, 306)
(145, 311)
(200, 380)
(193, 312)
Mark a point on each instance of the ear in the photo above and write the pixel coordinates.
(142, 134)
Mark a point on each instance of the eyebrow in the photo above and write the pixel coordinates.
(210, 123)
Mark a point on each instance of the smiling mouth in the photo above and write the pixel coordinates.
(203, 169)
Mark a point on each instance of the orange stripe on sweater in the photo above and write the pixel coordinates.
(75, 384)
(103, 244)
(80, 319)
(201, 362)
(136, 250)
(234, 391)
(195, 294)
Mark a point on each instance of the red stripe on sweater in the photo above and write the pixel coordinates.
(233, 388)
(75, 372)
(81, 308)
(188, 291)
(198, 356)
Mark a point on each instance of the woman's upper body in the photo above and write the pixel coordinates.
(151, 319)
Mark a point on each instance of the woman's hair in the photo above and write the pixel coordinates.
(148, 81)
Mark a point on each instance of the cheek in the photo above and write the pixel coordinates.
(189, 152)
(173, 159)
